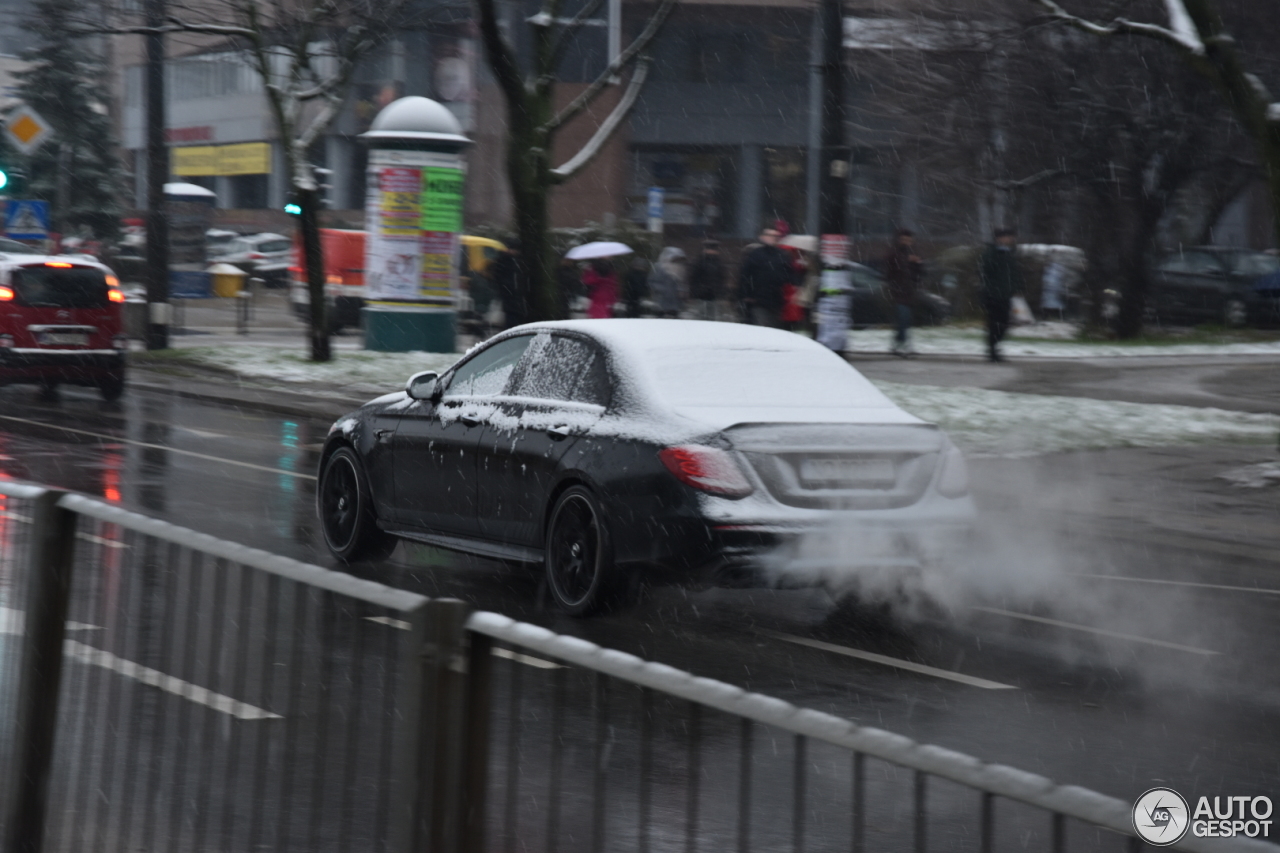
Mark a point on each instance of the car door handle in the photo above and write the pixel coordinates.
(383, 435)
(471, 420)
(559, 433)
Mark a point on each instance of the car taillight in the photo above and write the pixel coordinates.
(6, 341)
(6, 294)
(953, 482)
(256, 256)
(115, 295)
(112, 281)
(708, 469)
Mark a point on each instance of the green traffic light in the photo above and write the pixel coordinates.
(291, 207)
(4, 179)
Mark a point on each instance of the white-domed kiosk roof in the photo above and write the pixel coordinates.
(416, 119)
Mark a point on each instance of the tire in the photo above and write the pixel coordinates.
(1234, 314)
(111, 388)
(347, 518)
(579, 556)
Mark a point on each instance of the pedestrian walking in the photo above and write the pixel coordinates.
(706, 281)
(511, 281)
(762, 278)
(1001, 281)
(902, 268)
(569, 286)
(601, 283)
(1054, 289)
(667, 282)
(635, 286)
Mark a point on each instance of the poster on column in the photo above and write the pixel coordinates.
(414, 216)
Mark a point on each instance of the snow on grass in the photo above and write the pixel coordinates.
(999, 423)
(1048, 340)
(356, 370)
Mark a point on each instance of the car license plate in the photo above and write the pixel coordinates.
(849, 472)
(68, 339)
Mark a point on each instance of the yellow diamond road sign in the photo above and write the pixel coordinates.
(26, 129)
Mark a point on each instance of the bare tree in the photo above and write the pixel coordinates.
(533, 121)
(1195, 30)
(305, 52)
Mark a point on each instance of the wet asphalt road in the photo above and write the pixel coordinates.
(1128, 600)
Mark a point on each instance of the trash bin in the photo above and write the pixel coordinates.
(228, 280)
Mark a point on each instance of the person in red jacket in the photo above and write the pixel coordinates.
(601, 283)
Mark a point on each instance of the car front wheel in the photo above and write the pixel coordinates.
(579, 559)
(346, 511)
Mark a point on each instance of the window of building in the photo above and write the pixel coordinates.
(698, 185)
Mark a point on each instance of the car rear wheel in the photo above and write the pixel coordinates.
(346, 511)
(579, 558)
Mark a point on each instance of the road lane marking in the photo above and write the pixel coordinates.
(167, 683)
(11, 622)
(899, 663)
(498, 652)
(1100, 631)
(136, 443)
(1259, 590)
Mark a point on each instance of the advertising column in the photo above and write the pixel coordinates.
(414, 222)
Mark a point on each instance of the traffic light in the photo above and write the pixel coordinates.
(293, 208)
(4, 177)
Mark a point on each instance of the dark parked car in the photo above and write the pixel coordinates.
(871, 305)
(1208, 284)
(616, 450)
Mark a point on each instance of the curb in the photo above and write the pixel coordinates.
(237, 394)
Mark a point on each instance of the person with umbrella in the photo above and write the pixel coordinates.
(600, 279)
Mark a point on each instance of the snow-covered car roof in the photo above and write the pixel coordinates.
(9, 261)
(722, 374)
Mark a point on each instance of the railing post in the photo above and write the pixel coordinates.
(53, 536)
(476, 764)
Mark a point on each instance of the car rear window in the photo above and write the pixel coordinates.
(563, 368)
(703, 376)
(1250, 264)
(275, 246)
(60, 287)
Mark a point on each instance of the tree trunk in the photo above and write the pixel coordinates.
(1139, 215)
(313, 266)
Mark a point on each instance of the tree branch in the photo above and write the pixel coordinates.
(1182, 35)
(588, 94)
(607, 127)
(571, 29)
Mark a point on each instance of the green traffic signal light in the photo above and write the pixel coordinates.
(291, 207)
(4, 179)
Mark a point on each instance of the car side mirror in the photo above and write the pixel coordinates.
(423, 386)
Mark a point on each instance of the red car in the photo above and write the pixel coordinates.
(61, 320)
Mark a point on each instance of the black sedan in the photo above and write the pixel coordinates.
(620, 452)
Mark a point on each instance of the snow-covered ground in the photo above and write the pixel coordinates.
(1047, 340)
(999, 423)
(982, 422)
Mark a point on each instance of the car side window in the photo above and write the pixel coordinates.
(1195, 263)
(559, 367)
(487, 373)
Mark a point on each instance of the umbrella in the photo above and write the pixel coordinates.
(803, 242)
(598, 249)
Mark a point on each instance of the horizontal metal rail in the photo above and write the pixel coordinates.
(1001, 780)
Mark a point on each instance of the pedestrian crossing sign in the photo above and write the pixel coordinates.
(26, 129)
(26, 220)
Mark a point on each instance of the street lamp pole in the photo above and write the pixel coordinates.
(157, 176)
(833, 306)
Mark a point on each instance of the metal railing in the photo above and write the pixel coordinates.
(173, 691)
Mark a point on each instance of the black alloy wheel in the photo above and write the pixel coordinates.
(578, 557)
(346, 511)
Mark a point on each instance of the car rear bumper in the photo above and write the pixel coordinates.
(75, 366)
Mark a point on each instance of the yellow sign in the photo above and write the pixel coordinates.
(26, 129)
(196, 161)
(245, 158)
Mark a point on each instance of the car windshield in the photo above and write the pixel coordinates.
(13, 247)
(1252, 264)
(58, 287)
(758, 377)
